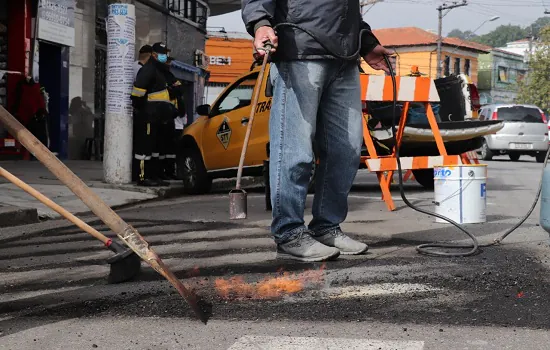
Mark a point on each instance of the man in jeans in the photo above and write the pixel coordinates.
(316, 98)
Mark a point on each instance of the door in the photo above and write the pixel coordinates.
(225, 130)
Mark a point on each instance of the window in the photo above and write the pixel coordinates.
(457, 66)
(467, 66)
(520, 75)
(520, 114)
(193, 10)
(502, 74)
(238, 96)
(447, 66)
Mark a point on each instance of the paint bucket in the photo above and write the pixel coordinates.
(460, 193)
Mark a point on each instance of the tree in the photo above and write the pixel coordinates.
(457, 33)
(502, 35)
(535, 87)
(536, 26)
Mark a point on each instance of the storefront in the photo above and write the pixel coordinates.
(228, 55)
(194, 79)
(41, 55)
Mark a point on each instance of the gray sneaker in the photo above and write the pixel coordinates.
(346, 245)
(305, 248)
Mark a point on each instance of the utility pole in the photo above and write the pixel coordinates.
(121, 28)
(365, 3)
(440, 10)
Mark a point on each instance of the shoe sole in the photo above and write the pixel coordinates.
(354, 253)
(286, 256)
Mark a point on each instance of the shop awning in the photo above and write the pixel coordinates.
(220, 7)
(178, 65)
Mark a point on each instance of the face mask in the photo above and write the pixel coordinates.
(162, 58)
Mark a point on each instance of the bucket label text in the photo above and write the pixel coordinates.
(483, 190)
(442, 173)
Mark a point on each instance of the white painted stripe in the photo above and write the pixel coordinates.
(375, 88)
(434, 96)
(406, 88)
(309, 343)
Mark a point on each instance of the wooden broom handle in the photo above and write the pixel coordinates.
(51, 204)
(64, 174)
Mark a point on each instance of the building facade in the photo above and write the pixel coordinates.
(418, 48)
(35, 41)
(228, 56)
(499, 72)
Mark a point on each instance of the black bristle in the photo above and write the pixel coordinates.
(124, 269)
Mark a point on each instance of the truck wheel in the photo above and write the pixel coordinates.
(195, 178)
(425, 177)
(514, 157)
(486, 153)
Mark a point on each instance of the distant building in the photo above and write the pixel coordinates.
(228, 56)
(521, 47)
(418, 47)
(499, 72)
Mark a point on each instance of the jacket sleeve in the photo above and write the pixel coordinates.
(144, 78)
(257, 13)
(368, 40)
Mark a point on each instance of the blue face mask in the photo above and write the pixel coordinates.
(162, 57)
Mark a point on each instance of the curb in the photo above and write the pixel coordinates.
(176, 187)
(15, 216)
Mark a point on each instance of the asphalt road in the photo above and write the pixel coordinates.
(54, 295)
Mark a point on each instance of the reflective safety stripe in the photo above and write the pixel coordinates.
(138, 92)
(160, 96)
(171, 156)
(148, 129)
(142, 157)
(162, 157)
(156, 155)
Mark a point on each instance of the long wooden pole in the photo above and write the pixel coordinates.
(124, 231)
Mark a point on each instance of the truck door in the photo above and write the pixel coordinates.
(225, 130)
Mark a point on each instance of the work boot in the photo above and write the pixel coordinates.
(305, 248)
(346, 245)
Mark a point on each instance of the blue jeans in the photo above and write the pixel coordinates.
(313, 102)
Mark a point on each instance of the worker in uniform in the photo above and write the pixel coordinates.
(167, 132)
(151, 100)
(145, 53)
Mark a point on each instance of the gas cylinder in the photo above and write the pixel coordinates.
(545, 200)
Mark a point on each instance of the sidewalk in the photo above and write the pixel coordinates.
(91, 172)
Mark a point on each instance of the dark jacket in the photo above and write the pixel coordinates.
(150, 92)
(336, 23)
(175, 89)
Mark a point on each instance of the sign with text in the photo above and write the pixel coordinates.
(220, 61)
(56, 21)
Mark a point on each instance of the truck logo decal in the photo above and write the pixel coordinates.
(224, 133)
(263, 106)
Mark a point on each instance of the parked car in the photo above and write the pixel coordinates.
(525, 132)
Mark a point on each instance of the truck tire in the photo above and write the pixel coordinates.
(195, 178)
(540, 157)
(425, 177)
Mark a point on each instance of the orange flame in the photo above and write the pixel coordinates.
(270, 287)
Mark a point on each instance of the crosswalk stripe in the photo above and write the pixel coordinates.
(308, 343)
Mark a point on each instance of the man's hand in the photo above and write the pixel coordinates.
(262, 35)
(375, 58)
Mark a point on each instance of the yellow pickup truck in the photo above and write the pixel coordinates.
(211, 146)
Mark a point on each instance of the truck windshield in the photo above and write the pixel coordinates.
(519, 114)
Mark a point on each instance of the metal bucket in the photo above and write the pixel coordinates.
(460, 193)
(237, 205)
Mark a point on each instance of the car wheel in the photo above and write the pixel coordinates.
(541, 157)
(425, 177)
(193, 172)
(486, 153)
(514, 157)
